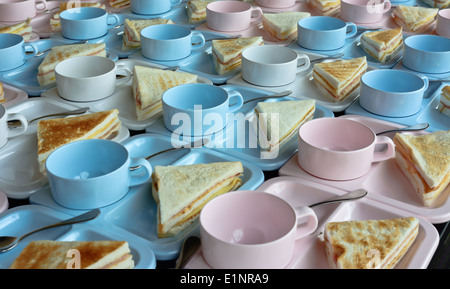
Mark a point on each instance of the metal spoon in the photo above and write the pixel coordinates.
(350, 196)
(275, 95)
(7, 242)
(188, 249)
(339, 55)
(420, 126)
(14, 124)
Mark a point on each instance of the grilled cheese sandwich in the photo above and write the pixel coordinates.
(2, 93)
(441, 4)
(383, 45)
(23, 29)
(414, 19)
(132, 30)
(119, 3)
(326, 7)
(444, 101)
(196, 10)
(182, 191)
(283, 26)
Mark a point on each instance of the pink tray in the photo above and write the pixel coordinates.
(13, 95)
(310, 251)
(384, 182)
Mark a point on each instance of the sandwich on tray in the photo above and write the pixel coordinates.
(226, 53)
(45, 254)
(289, 115)
(196, 10)
(149, 84)
(425, 161)
(414, 19)
(2, 93)
(326, 7)
(441, 4)
(46, 70)
(119, 3)
(283, 26)
(54, 21)
(338, 79)
(182, 191)
(24, 29)
(369, 244)
(53, 133)
(383, 45)
(444, 102)
(132, 30)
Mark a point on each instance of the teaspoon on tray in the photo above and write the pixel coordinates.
(416, 127)
(15, 124)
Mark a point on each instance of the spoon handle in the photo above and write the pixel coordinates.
(280, 94)
(76, 111)
(353, 195)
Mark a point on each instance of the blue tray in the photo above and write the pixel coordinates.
(136, 212)
(20, 220)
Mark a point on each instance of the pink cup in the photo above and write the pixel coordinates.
(443, 23)
(339, 148)
(364, 11)
(231, 15)
(252, 230)
(20, 10)
(276, 3)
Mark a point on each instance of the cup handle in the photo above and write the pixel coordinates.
(126, 78)
(17, 131)
(41, 9)
(197, 40)
(256, 13)
(116, 19)
(387, 6)
(34, 47)
(352, 31)
(305, 228)
(302, 66)
(388, 153)
(426, 80)
(138, 179)
(236, 101)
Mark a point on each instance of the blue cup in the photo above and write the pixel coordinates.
(13, 51)
(93, 173)
(198, 109)
(324, 32)
(392, 93)
(166, 42)
(427, 53)
(86, 22)
(150, 7)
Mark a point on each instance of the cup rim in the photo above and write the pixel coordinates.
(422, 36)
(12, 36)
(224, 3)
(445, 11)
(76, 59)
(362, 5)
(318, 19)
(390, 71)
(163, 26)
(16, 3)
(63, 14)
(269, 47)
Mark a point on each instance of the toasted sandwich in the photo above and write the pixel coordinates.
(369, 244)
(196, 10)
(226, 53)
(383, 45)
(48, 254)
(289, 115)
(24, 29)
(182, 191)
(55, 22)
(326, 7)
(283, 26)
(53, 133)
(132, 30)
(441, 4)
(444, 102)
(119, 3)
(149, 84)
(46, 70)
(2, 93)
(414, 19)
(425, 161)
(338, 79)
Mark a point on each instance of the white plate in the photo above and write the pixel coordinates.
(122, 99)
(19, 169)
(13, 95)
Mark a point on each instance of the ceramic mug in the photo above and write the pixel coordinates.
(392, 93)
(443, 23)
(231, 15)
(93, 173)
(202, 108)
(12, 51)
(364, 11)
(324, 32)
(252, 230)
(6, 132)
(166, 42)
(20, 10)
(88, 78)
(272, 65)
(86, 22)
(150, 7)
(340, 149)
(427, 53)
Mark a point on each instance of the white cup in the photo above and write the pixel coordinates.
(6, 132)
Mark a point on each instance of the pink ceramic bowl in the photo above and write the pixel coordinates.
(20, 10)
(231, 15)
(364, 11)
(443, 23)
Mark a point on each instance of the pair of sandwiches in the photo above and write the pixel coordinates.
(54, 133)
(55, 23)
(444, 101)
(425, 161)
(441, 4)
(226, 53)
(414, 19)
(283, 26)
(23, 29)
(383, 45)
(119, 3)
(339, 78)
(132, 30)
(196, 10)
(369, 244)
(46, 70)
(182, 191)
(278, 122)
(326, 7)
(149, 84)
(45, 254)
